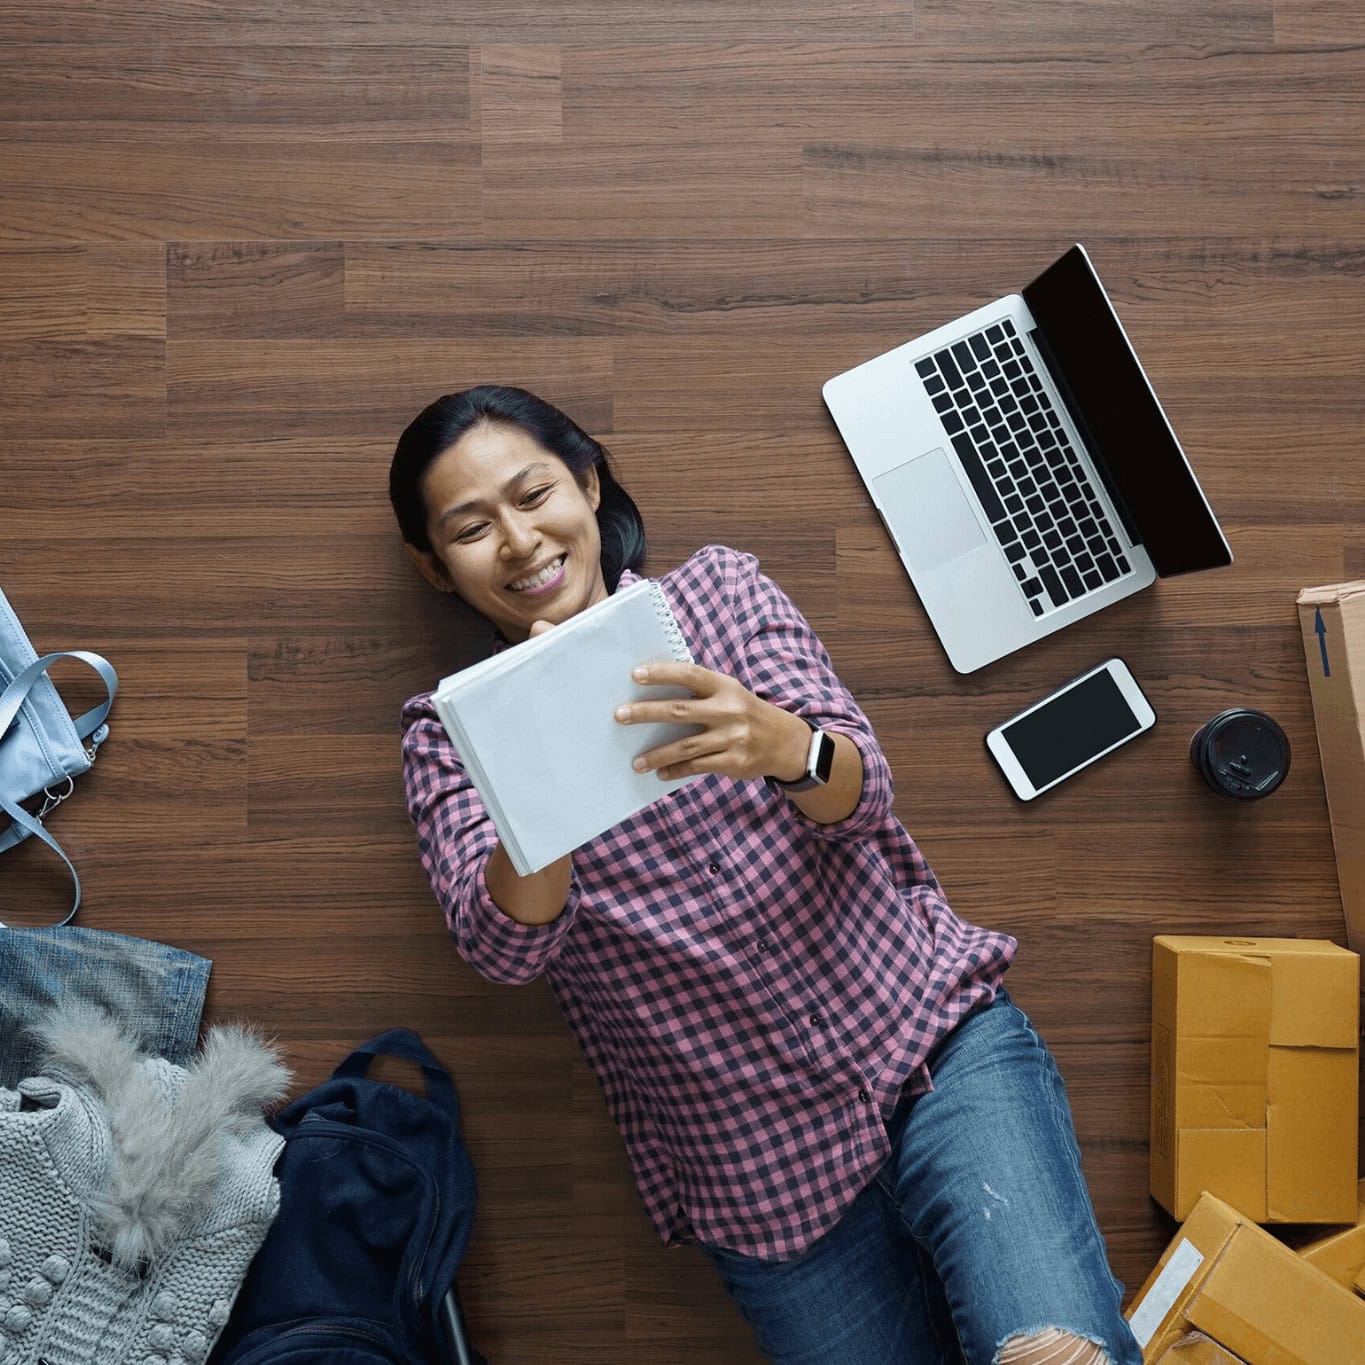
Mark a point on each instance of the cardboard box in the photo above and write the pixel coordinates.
(1232, 1281)
(1332, 619)
(1341, 1255)
(1196, 1349)
(1255, 1076)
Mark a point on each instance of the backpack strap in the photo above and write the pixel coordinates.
(24, 821)
(404, 1043)
(11, 699)
(14, 696)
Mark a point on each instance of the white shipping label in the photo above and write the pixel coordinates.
(1170, 1284)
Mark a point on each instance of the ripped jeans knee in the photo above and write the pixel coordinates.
(1051, 1346)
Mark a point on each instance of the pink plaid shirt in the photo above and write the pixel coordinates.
(752, 989)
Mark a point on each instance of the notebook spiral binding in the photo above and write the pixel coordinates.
(676, 644)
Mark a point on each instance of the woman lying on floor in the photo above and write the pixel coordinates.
(818, 1074)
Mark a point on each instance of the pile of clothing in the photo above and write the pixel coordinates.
(154, 1211)
(134, 1193)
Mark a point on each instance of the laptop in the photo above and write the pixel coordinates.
(1023, 467)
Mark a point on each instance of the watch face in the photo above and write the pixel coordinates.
(824, 758)
(819, 763)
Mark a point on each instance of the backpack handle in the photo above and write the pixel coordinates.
(404, 1043)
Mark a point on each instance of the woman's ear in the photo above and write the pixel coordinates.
(430, 567)
(592, 487)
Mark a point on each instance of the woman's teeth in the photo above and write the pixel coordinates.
(540, 579)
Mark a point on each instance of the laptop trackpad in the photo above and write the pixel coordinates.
(931, 518)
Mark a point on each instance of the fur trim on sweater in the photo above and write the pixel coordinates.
(167, 1125)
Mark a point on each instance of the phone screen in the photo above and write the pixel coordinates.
(1074, 726)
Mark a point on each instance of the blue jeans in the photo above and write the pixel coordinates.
(977, 1229)
(154, 991)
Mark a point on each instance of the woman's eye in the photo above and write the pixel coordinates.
(531, 499)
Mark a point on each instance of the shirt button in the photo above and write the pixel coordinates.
(714, 869)
(864, 1096)
(817, 1020)
(763, 945)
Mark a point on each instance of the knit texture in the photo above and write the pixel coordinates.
(133, 1195)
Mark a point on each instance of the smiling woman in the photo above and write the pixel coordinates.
(811, 1059)
(507, 502)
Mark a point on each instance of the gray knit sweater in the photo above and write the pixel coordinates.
(133, 1195)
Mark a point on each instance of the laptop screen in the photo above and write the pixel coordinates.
(1108, 393)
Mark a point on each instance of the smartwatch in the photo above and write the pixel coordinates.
(819, 763)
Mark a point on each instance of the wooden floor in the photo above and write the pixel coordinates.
(241, 244)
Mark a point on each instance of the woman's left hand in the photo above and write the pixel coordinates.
(741, 735)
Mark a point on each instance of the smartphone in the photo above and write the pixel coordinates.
(1078, 723)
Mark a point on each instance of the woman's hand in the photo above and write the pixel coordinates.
(741, 735)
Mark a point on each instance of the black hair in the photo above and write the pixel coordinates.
(439, 425)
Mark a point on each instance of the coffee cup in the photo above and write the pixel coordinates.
(1241, 753)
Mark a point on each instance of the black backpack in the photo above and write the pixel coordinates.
(376, 1208)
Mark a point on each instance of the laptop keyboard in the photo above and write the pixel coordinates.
(1028, 477)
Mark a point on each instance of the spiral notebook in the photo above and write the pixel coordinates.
(536, 730)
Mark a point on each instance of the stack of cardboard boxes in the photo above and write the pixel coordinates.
(1255, 1097)
(1253, 1120)
(1226, 1290)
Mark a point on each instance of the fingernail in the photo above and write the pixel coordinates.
(623, 713)
(640, 674)
(639, 765)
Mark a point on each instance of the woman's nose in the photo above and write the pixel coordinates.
(519, 535)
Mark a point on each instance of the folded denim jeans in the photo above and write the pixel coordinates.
(155, 992)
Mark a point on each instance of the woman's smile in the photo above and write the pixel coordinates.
(544, 580)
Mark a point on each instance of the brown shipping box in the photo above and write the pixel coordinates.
(1332, 619)
(1197, 1349)
(1341, 1255)
(1224, 1277)
(1255, 1076)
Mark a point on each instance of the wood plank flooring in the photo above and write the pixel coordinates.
(242, 244)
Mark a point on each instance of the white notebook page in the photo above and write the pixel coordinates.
(536, 728)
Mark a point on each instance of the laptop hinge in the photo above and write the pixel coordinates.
(1096, 458)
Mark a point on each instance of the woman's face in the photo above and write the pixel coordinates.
(514, 533)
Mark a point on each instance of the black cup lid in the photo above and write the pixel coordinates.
(1245, 753)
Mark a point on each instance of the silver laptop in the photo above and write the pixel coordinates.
(1023, 466)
